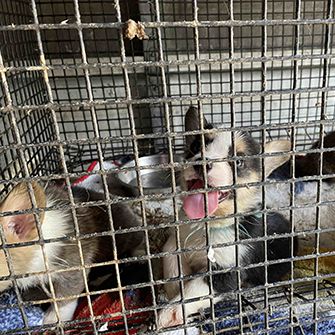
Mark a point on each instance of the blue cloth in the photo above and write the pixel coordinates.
(229, 312)
(11, 318)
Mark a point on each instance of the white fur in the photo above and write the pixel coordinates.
(226, 256)
(218, 149)
(55, 225)
(215, 176)
(65, 310)
(195, 288)
(278, 196)
(194, 236)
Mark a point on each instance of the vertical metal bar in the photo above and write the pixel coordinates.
(103, 176)
(264, 121)
(233, 140)
(63, 162)
(170, 152)
(293, 149)
(203, 157)
(136, 151)
(325, 83)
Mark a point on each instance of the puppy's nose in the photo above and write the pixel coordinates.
(199, 169)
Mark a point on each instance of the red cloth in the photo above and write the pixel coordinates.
(108, 304)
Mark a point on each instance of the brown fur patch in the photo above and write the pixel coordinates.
(240, 144)
(20, 257)
(19, 199)
(272, 163)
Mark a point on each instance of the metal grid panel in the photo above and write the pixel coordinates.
(24, 88)
(73, 90)
(178, 44)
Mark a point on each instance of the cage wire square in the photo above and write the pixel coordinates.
(80, 100)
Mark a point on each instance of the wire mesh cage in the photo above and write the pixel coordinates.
(115, 115)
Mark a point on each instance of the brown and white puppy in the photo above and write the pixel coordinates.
(64, 254)
(220, 203)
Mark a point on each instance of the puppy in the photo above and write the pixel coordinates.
(306, 192)
(222, 230)
(64, 254)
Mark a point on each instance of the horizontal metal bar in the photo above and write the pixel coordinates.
(191, 276)
(168, 24)
(149, 64)
(160, 100)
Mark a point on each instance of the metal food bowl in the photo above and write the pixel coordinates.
(154, 179)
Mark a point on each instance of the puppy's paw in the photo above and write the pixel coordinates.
(169, 317)
(65, 310)
(50, 316)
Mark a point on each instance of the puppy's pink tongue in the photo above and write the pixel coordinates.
(194, 205)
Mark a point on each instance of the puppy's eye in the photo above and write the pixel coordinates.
(239, 163)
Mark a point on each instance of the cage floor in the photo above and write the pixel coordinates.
(284, 313)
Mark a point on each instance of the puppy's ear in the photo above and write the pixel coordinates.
(192, 122)
(22, 227)
(274, 162)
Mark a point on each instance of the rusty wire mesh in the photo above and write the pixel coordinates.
(75, 90)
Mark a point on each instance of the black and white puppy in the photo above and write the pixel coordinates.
(222, 230)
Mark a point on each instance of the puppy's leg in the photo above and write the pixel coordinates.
(172, 316)
(171, 267)
(66, 310)
(66, 284)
